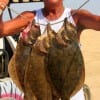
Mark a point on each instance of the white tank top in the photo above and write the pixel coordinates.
(39, 18)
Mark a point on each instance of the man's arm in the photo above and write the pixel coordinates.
(15, 25)
(88, 20)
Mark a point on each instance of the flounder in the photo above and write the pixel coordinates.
(65, 62)
(36, 75)
(19, 59)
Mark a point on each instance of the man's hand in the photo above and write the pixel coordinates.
(3, 4)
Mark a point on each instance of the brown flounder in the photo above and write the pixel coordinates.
(37, 78)
(19, 59)
(65, 62)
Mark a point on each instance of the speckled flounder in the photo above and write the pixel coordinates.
(65, 62)
(37, 78)
(18, 61)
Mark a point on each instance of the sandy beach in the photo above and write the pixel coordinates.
(90, 40)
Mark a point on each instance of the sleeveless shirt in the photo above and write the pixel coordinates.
(56, 24)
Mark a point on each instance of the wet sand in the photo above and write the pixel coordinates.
(90, 41)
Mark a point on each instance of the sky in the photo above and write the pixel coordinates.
(93, 6)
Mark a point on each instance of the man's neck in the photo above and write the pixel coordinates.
(53, 13)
